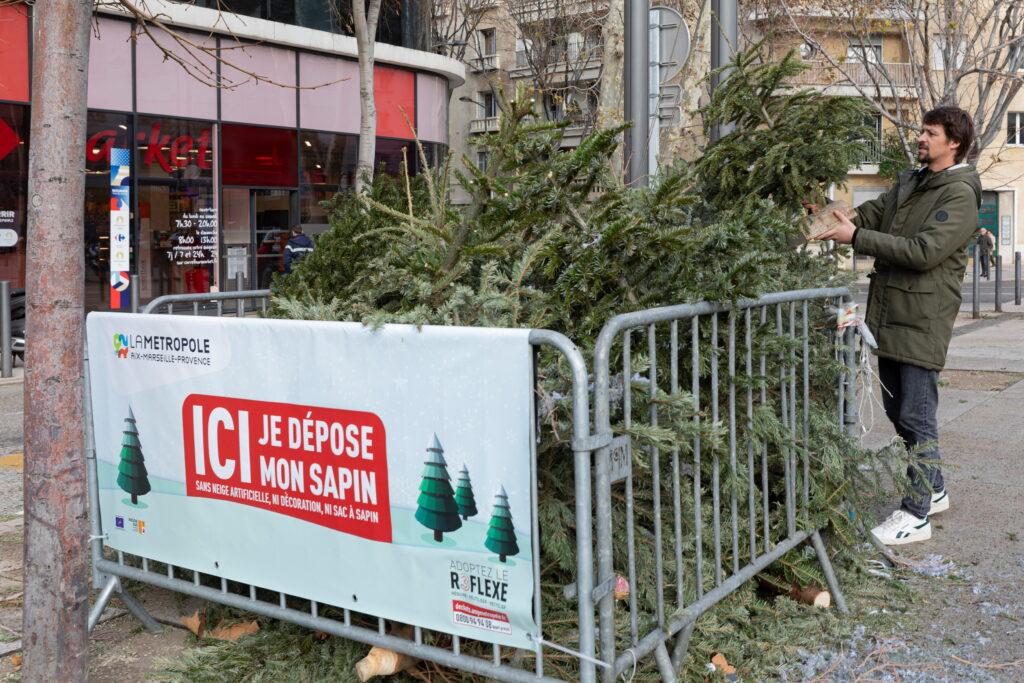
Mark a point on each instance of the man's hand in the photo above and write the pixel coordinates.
(842, 233)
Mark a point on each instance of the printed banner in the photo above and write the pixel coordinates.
(120, 227)
(388, 471)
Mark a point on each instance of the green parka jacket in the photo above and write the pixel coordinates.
(918, 233)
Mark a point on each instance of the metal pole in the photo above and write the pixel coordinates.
(1016, 278)
(724, 38)
(637, 104)
(56, 561)
(133, 290)
(6, 361)
(976, 286)
(999, 284)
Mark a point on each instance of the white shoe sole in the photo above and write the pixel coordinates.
(940, 504)
(916, 537)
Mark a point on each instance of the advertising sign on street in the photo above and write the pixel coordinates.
(120, 228)
(386, 471)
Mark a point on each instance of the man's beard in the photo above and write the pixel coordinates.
(923, 156)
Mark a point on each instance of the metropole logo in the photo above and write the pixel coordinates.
(9, 140)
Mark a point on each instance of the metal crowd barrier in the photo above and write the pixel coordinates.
(108, 573)
(260, 298)
(731, 375)
(738, 387)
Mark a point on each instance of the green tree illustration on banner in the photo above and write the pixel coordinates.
(501, 536)
(464, 495)
(436, 506)
(131, 473)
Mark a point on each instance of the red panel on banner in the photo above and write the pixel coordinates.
(394, 93)
(14, 53)
(321, 465)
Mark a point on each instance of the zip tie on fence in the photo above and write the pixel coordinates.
(579, 655)
(847, 318)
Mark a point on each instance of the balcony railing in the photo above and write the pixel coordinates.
(485, 63)
(570, 60)
(873, 154)
(485, 125)
(885, 75)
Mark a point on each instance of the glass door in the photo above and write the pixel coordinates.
(272, 223)
(257, 225)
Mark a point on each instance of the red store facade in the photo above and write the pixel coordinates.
(217, 175)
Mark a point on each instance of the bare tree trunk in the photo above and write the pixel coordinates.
(56, 528)
(610, 104)
(365, 15)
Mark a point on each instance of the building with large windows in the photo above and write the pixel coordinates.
(218, 175)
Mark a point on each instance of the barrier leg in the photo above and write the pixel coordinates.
(138, 611)
(682, 645)
(134, 606)
(101, 601)
(830, 575)
(668, 672)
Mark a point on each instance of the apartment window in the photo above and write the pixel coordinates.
(939, 54)
(486, 42)
(489, 102)
(481, 161)
(866, 50)
(1015, 128)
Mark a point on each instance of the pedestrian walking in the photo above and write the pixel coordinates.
(298, 246)
(918, 233)
(986, 244)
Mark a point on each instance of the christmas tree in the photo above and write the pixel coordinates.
(464, 495)
(132, 476)
(501, 536)
(436, 506)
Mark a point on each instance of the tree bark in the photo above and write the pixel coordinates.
(365, 18)
(56, 527)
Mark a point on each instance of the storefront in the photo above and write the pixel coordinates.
(208, 181)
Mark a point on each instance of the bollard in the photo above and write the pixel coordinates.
(999, 284)
(975, 286)
(239, 286)
(6, 355)
(1016, 278)
(133, 290)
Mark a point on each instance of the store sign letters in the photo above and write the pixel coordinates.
(167, 152)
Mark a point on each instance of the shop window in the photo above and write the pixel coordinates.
(178, 230)
(259, 157)
(14, 128)
(391, 154)
(328, 167)
(174, 149)
(178, 237)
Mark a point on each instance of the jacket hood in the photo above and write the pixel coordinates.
(961, 173)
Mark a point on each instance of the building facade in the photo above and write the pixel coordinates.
(209, 180)
(895, 63)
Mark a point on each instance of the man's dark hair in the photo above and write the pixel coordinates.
(297, 229)
(957, 124)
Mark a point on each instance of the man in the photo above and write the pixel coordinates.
(985, 246)
(918, 233)
(298, 246)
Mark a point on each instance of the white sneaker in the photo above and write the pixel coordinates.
(940, 502)
(902, 527)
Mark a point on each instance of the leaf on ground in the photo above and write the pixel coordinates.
(234, 631)
(16, 660)
(195, 623)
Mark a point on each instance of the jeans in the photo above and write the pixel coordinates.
(911, 408)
